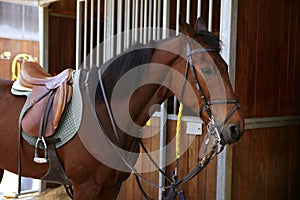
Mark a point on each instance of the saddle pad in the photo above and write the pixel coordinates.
(71, 120)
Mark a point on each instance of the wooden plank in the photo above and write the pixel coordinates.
(15, 47)
(246, 54)
(293, 164)
(61, 43)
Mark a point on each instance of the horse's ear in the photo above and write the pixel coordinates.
(200, 25)
(184, 27)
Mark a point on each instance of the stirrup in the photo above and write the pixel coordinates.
(37, 159)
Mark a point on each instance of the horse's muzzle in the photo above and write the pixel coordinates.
(231, 133)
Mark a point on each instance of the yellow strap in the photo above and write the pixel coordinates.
(148, 122)
(178, 127)
(16, 67)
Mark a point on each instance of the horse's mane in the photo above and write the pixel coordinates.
(140, 54)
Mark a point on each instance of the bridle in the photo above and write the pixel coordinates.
(207, 103)
(213, 129)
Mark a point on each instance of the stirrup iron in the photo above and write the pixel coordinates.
(37, 159)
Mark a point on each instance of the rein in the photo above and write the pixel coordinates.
(212, 130)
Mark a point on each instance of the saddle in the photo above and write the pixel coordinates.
(47, 102)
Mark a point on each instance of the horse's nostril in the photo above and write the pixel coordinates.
(235, 132)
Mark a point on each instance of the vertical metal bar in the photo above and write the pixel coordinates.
(127, 24)
(85, 34)
(112, 22)
(78, 33)
(133, 22)
(228, 32)
(91, 32)
(177, 16)
(105, 32)
(141, 21)
(154, 19)
(210, 14)
(136, 20)
(162, 144)
(177, 33)
(145, 20)
(188, 11)
(166, 17)
(163, 114)
(150, 20)
(119, 27)
(98, 32)
(158, 18)
(44, 37)
(199, 8)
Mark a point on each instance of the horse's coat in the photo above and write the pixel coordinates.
(93, 180)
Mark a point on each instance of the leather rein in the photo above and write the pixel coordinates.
(213, 130)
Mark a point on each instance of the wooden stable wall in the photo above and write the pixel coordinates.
(266, 161)
(202, 186)
(15, 47)
(62, 36)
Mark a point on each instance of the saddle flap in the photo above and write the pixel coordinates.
(32, 120)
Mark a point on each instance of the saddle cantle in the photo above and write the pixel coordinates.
(48, 99)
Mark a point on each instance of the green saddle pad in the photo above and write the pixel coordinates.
(70, 122)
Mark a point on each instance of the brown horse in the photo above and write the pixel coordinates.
(91, 179)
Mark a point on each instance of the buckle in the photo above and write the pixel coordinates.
(37, 159)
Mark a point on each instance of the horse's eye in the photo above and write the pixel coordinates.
(207, 71)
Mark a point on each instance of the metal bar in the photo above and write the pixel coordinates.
(163, 107)
(111, 33)
(132, 22)
(177, 16)
(150, 20)
(44, 37)
(162, 144)
(85, 35)
(141, 33)
(188, 11)
(78, 33)
(145, 20)
(177, 33)
(107, 30)
(228, 24)
(184, 118)
(91, 32)
(199, 8)
(158, 36)
(210, 14)
(228, 32)
(154, 19)
(119, 27)
(127, 24)
(98, 32)
(136, 20)
(166, 18)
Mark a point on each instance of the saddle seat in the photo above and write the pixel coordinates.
(48, 99)
(33, 74)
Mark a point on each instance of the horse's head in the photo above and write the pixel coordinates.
(211, 94)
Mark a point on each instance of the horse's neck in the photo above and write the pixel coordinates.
(134, 95)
